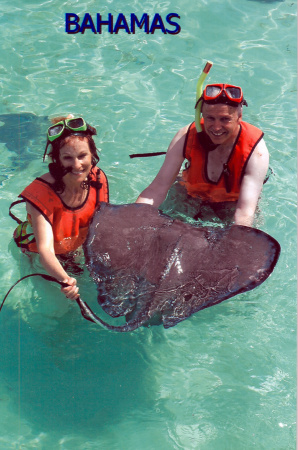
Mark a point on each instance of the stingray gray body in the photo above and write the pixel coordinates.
(22, 134)
(153, 269)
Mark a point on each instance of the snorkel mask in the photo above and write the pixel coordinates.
(214, 94)
(68, 127)
(227, 94)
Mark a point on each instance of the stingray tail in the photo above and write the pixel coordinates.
(86, 311)
(88, 314)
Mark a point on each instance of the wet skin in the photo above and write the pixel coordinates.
(221, 123)
(76, 155)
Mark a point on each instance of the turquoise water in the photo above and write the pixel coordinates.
(223, 379)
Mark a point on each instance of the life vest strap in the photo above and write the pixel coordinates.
(11, 214)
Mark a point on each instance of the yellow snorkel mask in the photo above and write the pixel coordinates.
(199, 95)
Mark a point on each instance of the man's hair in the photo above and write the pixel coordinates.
(237, 107)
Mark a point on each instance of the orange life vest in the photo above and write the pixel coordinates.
(70, 225)
(227, 188)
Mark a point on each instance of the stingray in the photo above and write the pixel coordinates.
(154, 270)
(21, 133)
(18, 130)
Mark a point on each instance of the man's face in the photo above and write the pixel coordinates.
(221, 123)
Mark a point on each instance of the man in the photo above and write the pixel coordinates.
(227, 161)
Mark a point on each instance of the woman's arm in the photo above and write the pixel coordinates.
(43, 234)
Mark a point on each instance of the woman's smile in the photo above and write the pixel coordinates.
(76, 158)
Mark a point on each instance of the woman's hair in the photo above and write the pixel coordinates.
(57, 170)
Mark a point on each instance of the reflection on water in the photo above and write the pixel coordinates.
(182, 206)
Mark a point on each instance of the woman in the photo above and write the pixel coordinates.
(60, 203)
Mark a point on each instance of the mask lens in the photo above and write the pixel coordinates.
(234, 92)
(55, 130)
(76, 123)
(213, 91)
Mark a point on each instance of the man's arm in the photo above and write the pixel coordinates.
(252, 185)
(157, 191)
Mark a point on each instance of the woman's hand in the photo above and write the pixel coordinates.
(71, 291)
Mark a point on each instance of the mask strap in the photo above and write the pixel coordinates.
(45, 152)
(200, 99)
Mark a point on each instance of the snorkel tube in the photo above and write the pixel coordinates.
(199, 94)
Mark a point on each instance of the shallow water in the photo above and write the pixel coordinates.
(223, 379)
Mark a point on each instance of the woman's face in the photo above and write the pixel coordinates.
(76, 156)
